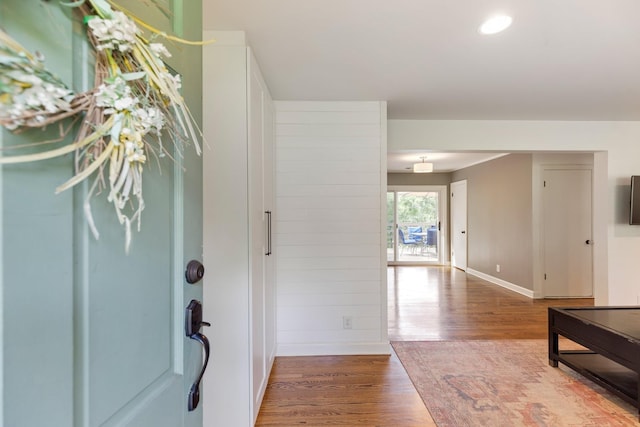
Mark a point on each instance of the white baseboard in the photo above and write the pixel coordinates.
(503, 283)
(334, 349)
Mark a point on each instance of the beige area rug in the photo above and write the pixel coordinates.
(506, 383)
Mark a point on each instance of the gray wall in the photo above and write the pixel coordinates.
(418, 178)
(499, 215)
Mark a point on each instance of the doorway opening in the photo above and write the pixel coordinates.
(416, 224)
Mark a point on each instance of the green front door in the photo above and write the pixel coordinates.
(89, 335)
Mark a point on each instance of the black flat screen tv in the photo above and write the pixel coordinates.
(634, 211)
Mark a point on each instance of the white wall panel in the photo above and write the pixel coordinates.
(301, 278)
(335, 299)
(293, 189)
(304, 251)
(330, 183)
(326, 239)
(314, 226)
(313, 319)
(322, 287)
(331, 214)
(339, 117)
(285, 203)
(333, 178)
(293, 156)
(324, 130)
(328, 263)
(335, 141)
(328, 106)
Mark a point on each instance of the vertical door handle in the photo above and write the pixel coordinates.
(194, 392)
(192, 324)
(268, 213)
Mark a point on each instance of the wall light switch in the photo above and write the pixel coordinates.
(498, 268)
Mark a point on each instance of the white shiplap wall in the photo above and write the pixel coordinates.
(331, 192)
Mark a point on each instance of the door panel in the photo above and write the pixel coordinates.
(270, 261)
(36, 279)
(258, 236)
(567, 233)
(459, 225)
(130, 312)
(92, 336)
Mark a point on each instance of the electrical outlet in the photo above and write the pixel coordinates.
(347, 322)
(498, 268)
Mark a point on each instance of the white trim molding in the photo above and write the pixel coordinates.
(335, 349)
(503, 283)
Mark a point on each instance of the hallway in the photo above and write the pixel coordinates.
(441, 303)
(424, 303)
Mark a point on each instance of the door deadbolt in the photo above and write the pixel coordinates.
(194, 272)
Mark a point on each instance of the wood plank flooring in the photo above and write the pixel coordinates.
(440, 303)
(424, 303)
(341, 390)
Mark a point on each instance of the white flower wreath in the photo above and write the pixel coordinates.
(123, 115)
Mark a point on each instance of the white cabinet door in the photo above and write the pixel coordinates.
(258, 238)
(270, 261)
(262, 309)
(238, 192)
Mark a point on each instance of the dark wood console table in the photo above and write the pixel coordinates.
(612, 338)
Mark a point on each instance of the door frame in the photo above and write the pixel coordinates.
(443, 209)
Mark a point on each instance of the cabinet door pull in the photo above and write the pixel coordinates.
(268, 213)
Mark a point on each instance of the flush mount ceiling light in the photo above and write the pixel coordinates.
(495, 24)
(422, 167)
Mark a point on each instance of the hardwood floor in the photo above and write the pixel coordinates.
(424, 303)
(341, 390)
(440, 303)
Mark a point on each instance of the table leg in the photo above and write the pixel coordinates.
(553, 350)
(638, 401)
(553, 343)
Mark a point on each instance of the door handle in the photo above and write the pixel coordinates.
(463, 232)
(194, 392)
(268, 213)
(193, 322)
(588, 242)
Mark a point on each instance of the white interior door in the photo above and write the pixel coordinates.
(459, 224)
(567, 226)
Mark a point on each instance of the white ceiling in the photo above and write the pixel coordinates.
(402, 162)
(560, 59)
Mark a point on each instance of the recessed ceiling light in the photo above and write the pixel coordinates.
(495, 24)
